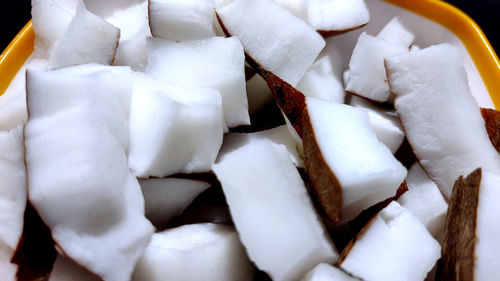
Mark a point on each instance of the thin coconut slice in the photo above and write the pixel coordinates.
(442, 120)
(195, 252)
(348, 167)
(277, 135)
(470, 248)
(367, 77)
(287, 48)
(134, 29)
(327, 272)
(394, 246)
(13, 197)
(65, 269)
(394, 31)
(173, 128)
(335, 16)
(425, 201)
(258, 94)
(181, 20)
(73, 138)
(385, 122)
(88, 38)
(166, 198)
(215, 63)
(492, 122)
(51, 18)
(268, 202)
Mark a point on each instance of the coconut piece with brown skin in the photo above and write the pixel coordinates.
(471, 244)
(492, 121)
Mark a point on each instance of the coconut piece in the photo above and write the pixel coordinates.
(394, 31)
(321, 81)
(181, 20)
(395, 245)
(492, 122)
(106, 9)
(215, 63)
(367, 77)
(51, 18)
(277, 135)
(442, 120)
(13, 109)
(88, 39)
(336, 16)
(385, 122)
(425, 201)
(13, 197)
(65, 269)
(471, 233)
(75, 137)
(195, 252)
(167, 198)
(134, 28)
(287, 48)
(345, 184)
(263, 189)
(258, 94)
(173, 128)
(297, 7)
(325, 272)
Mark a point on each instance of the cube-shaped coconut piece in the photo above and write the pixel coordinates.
(367, 77)
(173, 128)
(88, 39)
(394, 246)
(348, 167)
(195, 252)
(395, 31)
(272, 211)
(181, 20)
(287, 48)
(335, 16)
(440, 116)
(324, 272)
(216, 63)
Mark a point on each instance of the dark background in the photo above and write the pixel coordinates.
(14, 14)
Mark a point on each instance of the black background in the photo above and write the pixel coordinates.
(14, 14)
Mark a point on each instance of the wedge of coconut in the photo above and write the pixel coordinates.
(442, 120)
(195, 252)
(331, 17)
(166, 198)
(173, 128)
(65, 269)
(51, 18)
(88, 39)
(492, 122)
(395, 245)
(13, 197)
(287, 48)
(395, 31)
(76, 136)
(268, 202)
(367, 77)
(134, 29)
(324, 272)
(180, 20)
(425, 201)
(348, 167)
(215, 63)
(384, 120)
(471, 237)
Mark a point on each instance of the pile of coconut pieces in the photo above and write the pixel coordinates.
(152, 151)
